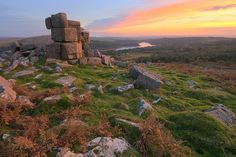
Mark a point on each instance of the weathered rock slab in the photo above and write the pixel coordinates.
(23, 73)
(145, 79)
(223, 114)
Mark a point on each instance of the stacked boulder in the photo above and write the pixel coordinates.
(67, 37)
(72, 42)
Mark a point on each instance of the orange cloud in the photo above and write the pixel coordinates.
(188, 18)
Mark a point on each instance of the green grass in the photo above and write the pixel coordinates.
(181, 107)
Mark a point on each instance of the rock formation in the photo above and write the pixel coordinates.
(71, 41)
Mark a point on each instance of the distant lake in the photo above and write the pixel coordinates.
(140, 45)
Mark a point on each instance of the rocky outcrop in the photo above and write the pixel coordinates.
(69, 38)
(145, 79)
(100, 146)
(223, 114)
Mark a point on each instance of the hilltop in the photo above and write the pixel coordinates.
(178, 122)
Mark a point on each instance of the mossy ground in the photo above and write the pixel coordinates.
(181, 108)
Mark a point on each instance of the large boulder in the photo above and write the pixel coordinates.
(223, 114)
(100, 147)
(145, 79)
(59, 20)
(6, 92)
(64, 34)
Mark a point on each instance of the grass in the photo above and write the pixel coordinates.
(181, 108)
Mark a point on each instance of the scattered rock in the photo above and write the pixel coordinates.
(25, 100)
(52, 98)
(38, 76)
(223, 113)
(46, 68)
(121, 64)
(145, 79)
(125, 88)
(72, 89)
(100, 147)
(157, 99)
(90, 86)
(58, 69)
(107, 147)
(128, 122)
(107, 60)
(23, 73)
(143, 106)
(24, 61)
(66, 81)
(5, 136)
(191, 84)
(7, 94)
(100, 89)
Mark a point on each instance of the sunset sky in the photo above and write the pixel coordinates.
(123, 17)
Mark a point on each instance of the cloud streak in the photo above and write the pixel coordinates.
(183, 18)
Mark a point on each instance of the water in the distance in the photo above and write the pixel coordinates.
(140, 45)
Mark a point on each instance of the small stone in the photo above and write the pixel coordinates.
(157, 99)
(66, 81)
(58, 69)
(38, 76)
(125, 88)
(52, 98)
(73, 89)
(143, 106)
(90, 86)
(23, 73)
(100, 89)
(46, 68)
(25, 100)
(191, 84)
(5, 136)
